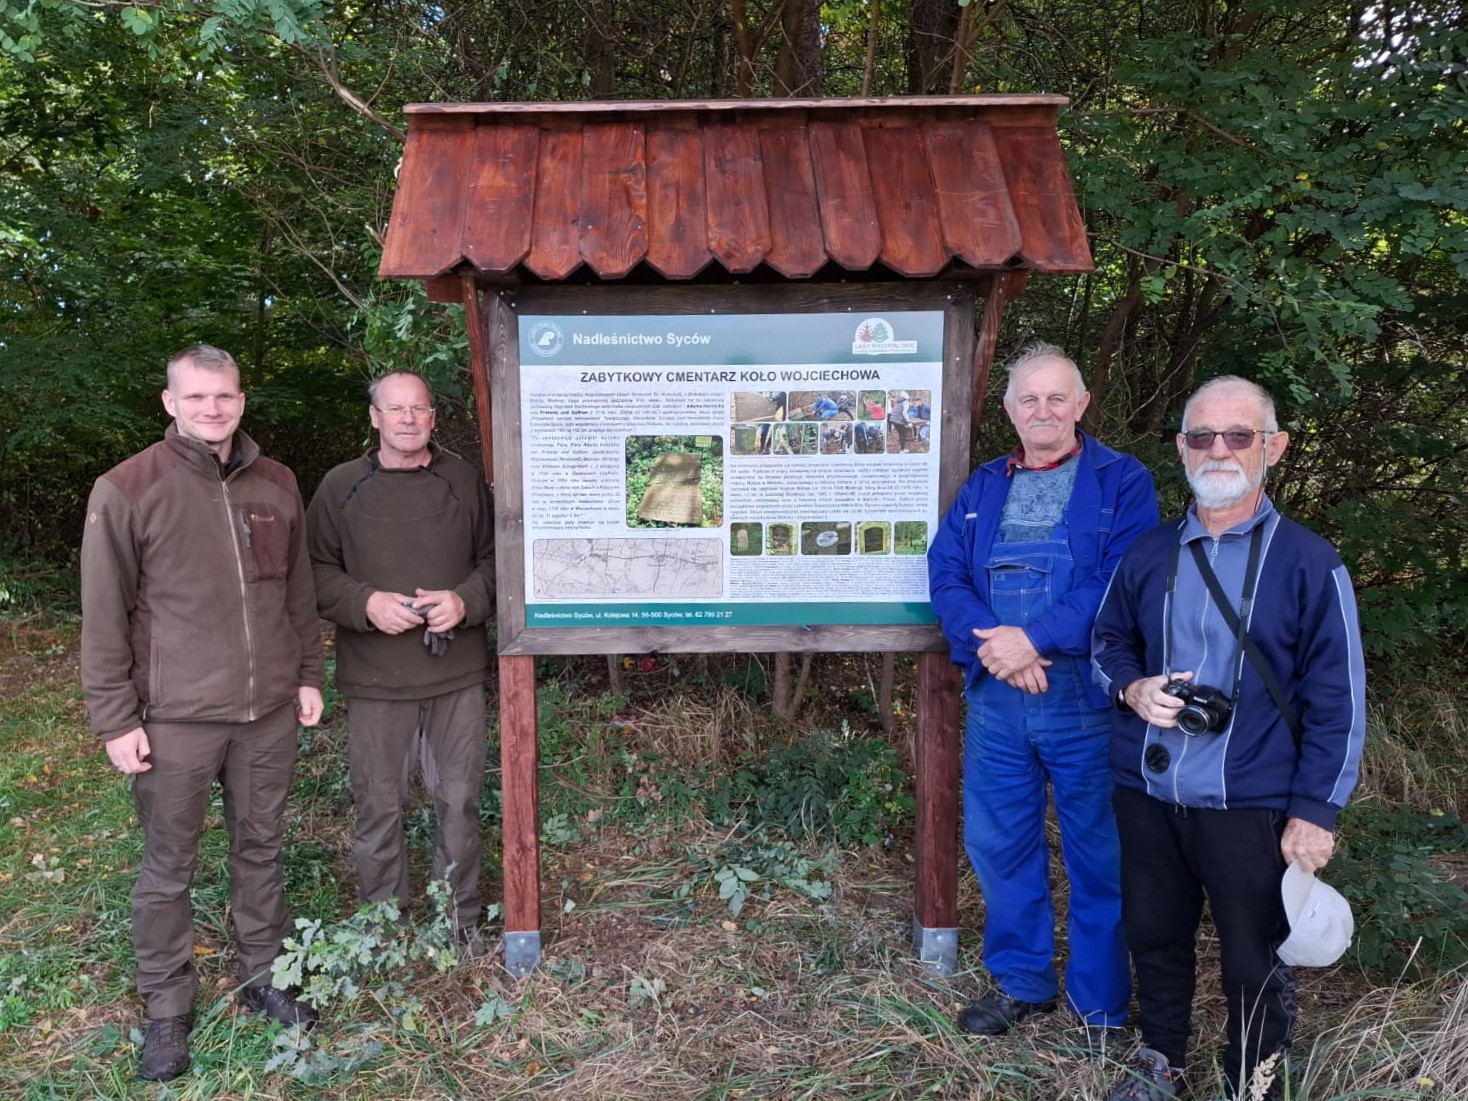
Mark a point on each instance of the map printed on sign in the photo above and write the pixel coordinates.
(729, 469)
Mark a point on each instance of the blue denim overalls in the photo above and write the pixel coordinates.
(1014, 742)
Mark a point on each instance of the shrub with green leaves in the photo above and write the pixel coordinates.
(1409, 915)
(831, 786)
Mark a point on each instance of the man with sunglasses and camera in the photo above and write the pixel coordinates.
(402, 547)
(1229, 643)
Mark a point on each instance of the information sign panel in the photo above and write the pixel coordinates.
(729, 468)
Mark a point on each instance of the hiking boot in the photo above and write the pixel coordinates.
(166, 1048)
(998, 1013)
(1148, 1078)
(470, 944)
(278, 1005)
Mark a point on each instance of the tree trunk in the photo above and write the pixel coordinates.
(798, 65)
(600, 51)
(931, 30)
(869, 66)
(884, 691)
(785, 699)
(745, 47)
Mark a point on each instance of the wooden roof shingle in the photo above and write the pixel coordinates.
(915, 188)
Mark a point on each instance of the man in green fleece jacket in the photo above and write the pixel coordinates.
(402, 549)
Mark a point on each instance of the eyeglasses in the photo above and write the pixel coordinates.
(399, 410)
(1237, 439)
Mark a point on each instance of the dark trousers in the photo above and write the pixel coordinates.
(1171, 858)
(385, 739)
(253, 763)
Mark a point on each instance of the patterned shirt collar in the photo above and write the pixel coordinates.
(1016, 459)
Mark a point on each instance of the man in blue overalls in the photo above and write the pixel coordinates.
(1016, 574)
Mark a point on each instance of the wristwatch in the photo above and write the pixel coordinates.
(1120, 700)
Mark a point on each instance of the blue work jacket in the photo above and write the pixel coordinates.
(1113, 501)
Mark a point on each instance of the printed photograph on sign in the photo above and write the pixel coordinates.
(780, 539)
(745, 406)
(908, 415)
(871, 405)
(823, 405)
(836, 439)
(746, 539)
(870, 439)
(825, 537)
(794, 439)
(910, 537)
(874, 537)
(675, 481)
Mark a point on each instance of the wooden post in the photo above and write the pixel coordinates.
(1010, 284)
(479, 368)
(519, 752)
(519, 763)
(935, 844)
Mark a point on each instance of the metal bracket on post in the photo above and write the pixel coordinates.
(522, 953)
(937, 949)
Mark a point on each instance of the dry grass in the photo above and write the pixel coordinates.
(687, 730)
(1417, 751)
(642, 994)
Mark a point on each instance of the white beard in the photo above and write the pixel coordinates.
(1222, 484)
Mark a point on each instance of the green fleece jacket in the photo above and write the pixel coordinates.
(372, 528)
(197, 604)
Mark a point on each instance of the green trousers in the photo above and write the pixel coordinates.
(385, 740)
(253, 763)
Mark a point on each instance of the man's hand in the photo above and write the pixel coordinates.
(1151, 703)
(127, 751)
(1005, 650)
(390, 614)
(308, 705)
(443, 608)
(1308, 843)
(1031, 678)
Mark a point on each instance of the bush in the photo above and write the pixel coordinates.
(829, 787)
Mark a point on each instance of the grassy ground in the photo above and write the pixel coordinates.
(652, 986)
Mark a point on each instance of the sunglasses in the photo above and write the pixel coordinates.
(1237, 439)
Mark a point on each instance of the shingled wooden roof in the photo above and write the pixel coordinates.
(788, 189)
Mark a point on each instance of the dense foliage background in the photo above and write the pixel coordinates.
(1273, 187)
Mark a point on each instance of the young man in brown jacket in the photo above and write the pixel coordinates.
(200, 651)
(402, 544)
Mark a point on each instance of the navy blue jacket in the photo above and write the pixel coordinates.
(1113, 501)
(1303, 620)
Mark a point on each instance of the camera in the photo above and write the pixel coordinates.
(1205, 710)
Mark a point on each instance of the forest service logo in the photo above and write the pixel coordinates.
(546, 338)
(874, 338)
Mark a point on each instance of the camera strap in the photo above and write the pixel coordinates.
(1235, 621)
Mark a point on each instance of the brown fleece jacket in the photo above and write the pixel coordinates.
(197, 600)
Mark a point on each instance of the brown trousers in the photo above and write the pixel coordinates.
(253, 763)
(384, 740)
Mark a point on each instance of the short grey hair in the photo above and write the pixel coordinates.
(206, 357)
(1040, 350)
(402, 372)
(1235, 382)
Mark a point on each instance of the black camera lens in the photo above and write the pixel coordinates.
(1205, 709)
(1193, 720)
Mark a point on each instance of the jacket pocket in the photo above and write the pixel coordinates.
(266, 539)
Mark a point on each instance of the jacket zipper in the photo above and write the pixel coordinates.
(239, 564)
